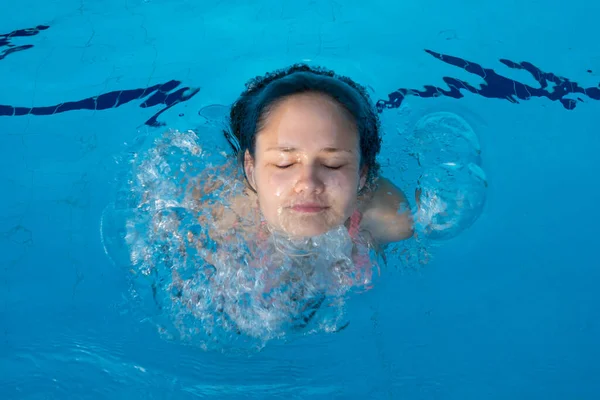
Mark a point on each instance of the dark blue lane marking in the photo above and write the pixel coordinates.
(6, 37)
(497, 86)
(157, 94)
(163, 93)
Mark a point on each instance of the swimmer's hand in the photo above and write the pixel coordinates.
(386, 214)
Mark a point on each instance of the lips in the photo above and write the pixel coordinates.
(308, 208)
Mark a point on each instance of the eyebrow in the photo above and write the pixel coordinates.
(287, 149)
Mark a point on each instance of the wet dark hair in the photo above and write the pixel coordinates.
(250, 111)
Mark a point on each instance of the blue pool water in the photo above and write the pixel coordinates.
(506, 308)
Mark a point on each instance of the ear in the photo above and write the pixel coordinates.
(249, 168)
(363, 177)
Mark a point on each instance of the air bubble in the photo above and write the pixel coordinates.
(214, 114)
(443, 137)
(452, 197)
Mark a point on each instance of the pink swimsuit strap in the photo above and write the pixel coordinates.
(355, 219)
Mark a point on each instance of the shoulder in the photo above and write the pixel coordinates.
(386, 213)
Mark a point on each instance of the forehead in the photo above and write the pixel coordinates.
(309, 121)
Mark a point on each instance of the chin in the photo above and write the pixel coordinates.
(311, 232)
(304, 229)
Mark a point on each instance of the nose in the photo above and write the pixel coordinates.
(308, 180)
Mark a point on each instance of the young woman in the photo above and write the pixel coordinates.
(306, 142)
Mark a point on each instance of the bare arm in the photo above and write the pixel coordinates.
(386, 214)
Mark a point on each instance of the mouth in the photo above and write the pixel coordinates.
(309, 208)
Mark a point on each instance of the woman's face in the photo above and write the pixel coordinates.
(306, 169)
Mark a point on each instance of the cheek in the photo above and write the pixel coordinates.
(343, 188)
(344, 182)
(272, 184)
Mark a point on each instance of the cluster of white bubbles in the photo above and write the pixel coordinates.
(452, 186)
(223, 289)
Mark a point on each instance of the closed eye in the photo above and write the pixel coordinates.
(332, 167)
